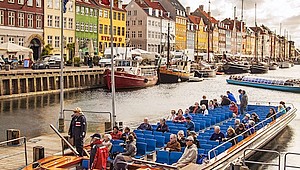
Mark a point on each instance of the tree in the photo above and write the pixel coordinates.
(47, 50)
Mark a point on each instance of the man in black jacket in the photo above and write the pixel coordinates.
(77, 129)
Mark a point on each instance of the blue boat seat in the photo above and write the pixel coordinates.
(174, 157)
(162, 157)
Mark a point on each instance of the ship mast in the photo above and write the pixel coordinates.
(168, 50)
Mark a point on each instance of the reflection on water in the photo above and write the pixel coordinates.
(32, 115)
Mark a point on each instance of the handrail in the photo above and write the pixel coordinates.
(25, 146)
(155, 163)
(262, 163)
(106, 112)
(248, 130)
(276, 103)
(285, 159)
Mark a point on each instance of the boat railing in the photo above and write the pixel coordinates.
(276, 153)
(5, 158)
(248, 131)
(286, 165)
(86, 111)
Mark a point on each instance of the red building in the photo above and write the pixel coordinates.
(21, 22)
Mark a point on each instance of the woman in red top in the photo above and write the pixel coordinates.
(234, 108)
(116, 134)
(179, 118)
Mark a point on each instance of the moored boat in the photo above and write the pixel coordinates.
(290, 85)
(284, 64)
(180, 72)
(235, 68)
(129, 75)
(259, 68)
(273, 66)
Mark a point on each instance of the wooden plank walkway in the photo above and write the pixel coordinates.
(13, 157)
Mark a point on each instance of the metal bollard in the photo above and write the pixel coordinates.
(13, 134)
(38, 153)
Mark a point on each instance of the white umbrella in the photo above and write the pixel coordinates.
(13, 48)
(91, 48)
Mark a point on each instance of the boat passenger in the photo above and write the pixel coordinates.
(190, 125)
(172, 116)
(181, 138)
(203, 110)
(283, 103)
(250, 126)
(244, 102)
(173, 145)
(281, 108)
(146, 125)
(237, 122)
(246, 119)
(231, 96)
(224, 101)
(234, 108)
(127, 133)
(179, 118)
(240, 94)
(194, 135)
(216, 104)
(254, 117)
(189, 155)
(230, 135)
(95, 144)
(272, 113)
(217, 135)
(211, 105)
(187, 114)
(195, 108)
(116, 134)
(241, 129)
(130, 151)
(162, 127)
(204, 101)
(106, 141)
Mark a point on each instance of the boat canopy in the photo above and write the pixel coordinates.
(263, 80)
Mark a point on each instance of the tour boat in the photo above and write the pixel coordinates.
(289, 85)
(129, 75)
(259, 68)
(236, 68)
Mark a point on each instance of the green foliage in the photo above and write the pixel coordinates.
(47, 50)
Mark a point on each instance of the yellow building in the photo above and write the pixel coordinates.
(201, 35)
(119, 28)
(180, 32)
(52, 24)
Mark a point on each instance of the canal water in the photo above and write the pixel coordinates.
(32, 115)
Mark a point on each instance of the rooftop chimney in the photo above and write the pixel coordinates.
(201, 7)
(208, 13)
(120, 4)
(188, 10)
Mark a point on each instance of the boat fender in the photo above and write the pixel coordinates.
(145, 80)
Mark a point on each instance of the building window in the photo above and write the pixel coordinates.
(49, 3)
(123, 17)
(1, 17)
(56, 21)
(21, 19)
(133, 22)
(11, 39)
(21, 2)
(119, 16)
(127, 23)
(38, 21)
(129, 13)
(71, 6)
(11, 18)
(30, 20)
(50, 18)
(11, 1)
(149, 22)
(65, 22)
(38, 3)
(82, 10)
(21, 41)
(100, 28)
(123, 31)
(149, 34)
(105, 14)
(29, 2)
(114, 15)
(87, 11)
(82, 26)
(140, 34)
(70, 40)
(95, 28)
(70, 23)
(56, 4)
(105, 29)
(127, 34)
(56, 42)
(86, 27)
(100, 13)
(91, 27)
(119, 31)
(1, 39)
(77, 26)
(135, 12)
(91, 12)
(77, 9)
(133, 34)
(140, 22)
(115, 30)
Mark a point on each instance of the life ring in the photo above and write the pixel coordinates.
(145, 80)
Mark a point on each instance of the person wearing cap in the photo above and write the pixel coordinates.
(162, 127)
(194, 135)
(106, 141)
(246, 119)
(173, 145)
(217, 135)
(95, 144)
(146, 125)
(77, 130)
(190, 125)
(189, 155)
(130, 151)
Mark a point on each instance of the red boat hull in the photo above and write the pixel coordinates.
(125, 80)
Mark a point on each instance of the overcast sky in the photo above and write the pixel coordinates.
(269, 12)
